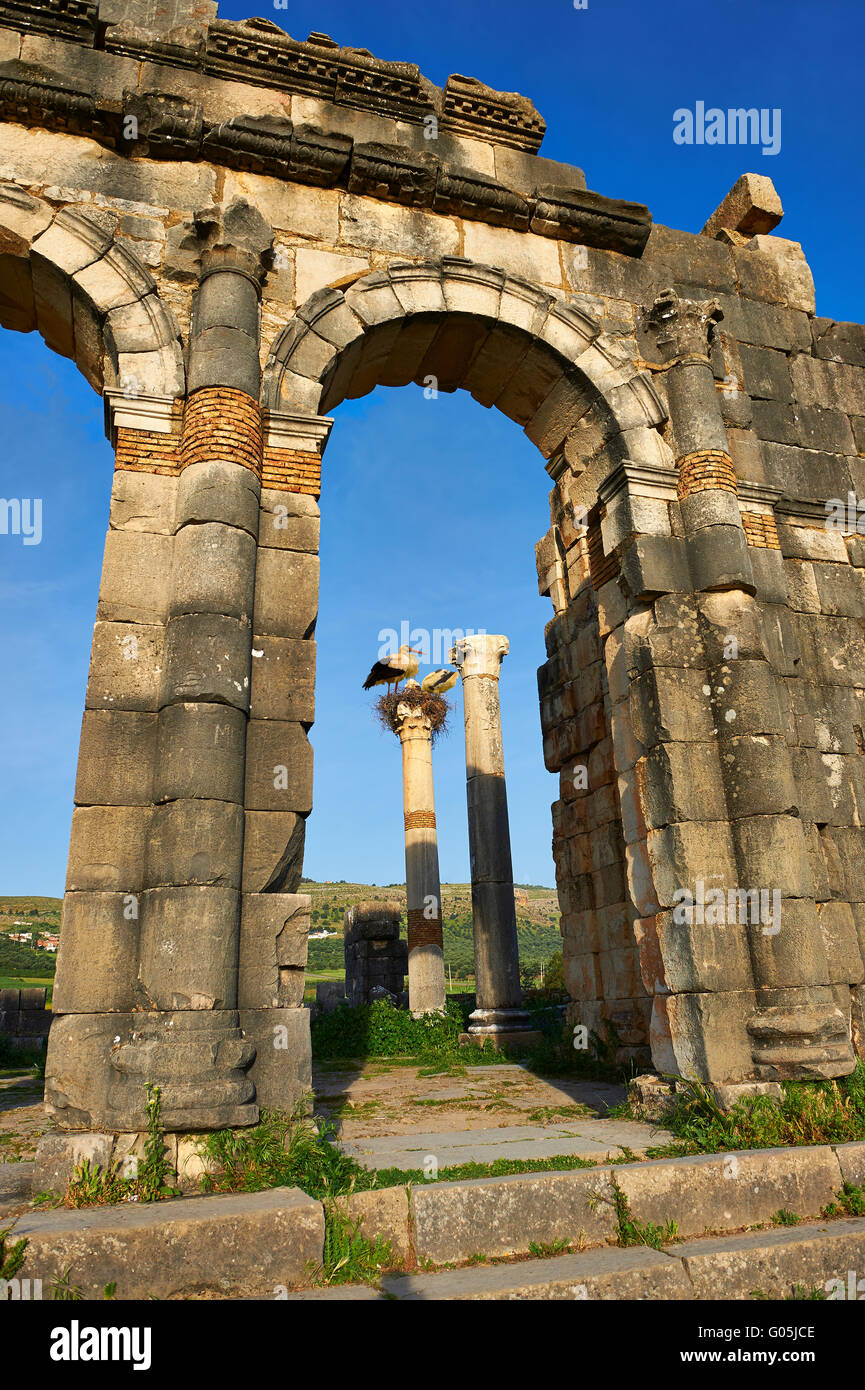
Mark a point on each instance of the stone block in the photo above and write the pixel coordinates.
(278, 767)
(106, 849)
(274, 932)
(195, 842)
(214, 571)
(282, 1067)
(136, 577)
(234, 1244)
(283, 679)
(58, 1155)
(273, 851)
(718, 1192)
(289, 521)
(668, 705)
(143, 502)
(764, 844)
(115, 758)
(188, 953)
(200, 753)
(125, 666)
(702, 957)
(286, 593)
(841, 945)
(680, 855)
(98, 960)
(218, 491)
(502, 1216)
(841, 589)
(385, 1214)
(653, 565)
(708, 1033)
(680, 782)
(719, 558)
(207, 660)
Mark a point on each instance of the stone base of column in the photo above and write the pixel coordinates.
(426, 980)
(493, 1022)
(799, 1042)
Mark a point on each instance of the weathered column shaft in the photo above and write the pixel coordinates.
(497, 966)
(426, 972)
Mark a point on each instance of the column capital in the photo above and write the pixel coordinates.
(683, 327)
(480, 655)
(234, 238)
(410, 722)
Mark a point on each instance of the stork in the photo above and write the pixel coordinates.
(437, 682)
(393, 669)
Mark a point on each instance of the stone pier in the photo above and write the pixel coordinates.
(497, 967)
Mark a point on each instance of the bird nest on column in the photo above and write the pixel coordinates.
(433, 706)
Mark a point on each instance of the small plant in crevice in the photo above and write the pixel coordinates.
(92, 1186)
(282, 1151)
(783, 1217)
(851, 1202)
(632, 1231)
(11, 1258)
(349, 1257)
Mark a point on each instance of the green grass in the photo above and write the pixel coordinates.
(380, 1030)
(810, 1112)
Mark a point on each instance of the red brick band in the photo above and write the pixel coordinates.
(602, 567)
(423, 931)
(704, 470)
(420, 820)
(761, 530)
(220, 423)
(292, 470)
(145, 451)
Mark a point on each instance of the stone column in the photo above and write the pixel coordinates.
(426, 969)
(796, 1029)
(497, 967)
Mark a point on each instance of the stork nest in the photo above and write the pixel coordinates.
(435, 707)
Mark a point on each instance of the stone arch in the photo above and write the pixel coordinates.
(66, 275)
(542, 361)
(596, 418)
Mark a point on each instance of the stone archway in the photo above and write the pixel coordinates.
(65, 274)
(589, 409)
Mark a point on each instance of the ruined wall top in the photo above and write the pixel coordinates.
(188, 34)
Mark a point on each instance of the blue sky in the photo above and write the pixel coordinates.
(607, 79)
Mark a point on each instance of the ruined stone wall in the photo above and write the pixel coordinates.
(231, 231)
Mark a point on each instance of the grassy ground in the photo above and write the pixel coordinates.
(29, 982)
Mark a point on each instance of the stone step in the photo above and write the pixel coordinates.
(771, 1263)
(578, 1138)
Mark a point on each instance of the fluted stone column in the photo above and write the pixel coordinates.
(426, 970)
(796, 1029)
(497, 967)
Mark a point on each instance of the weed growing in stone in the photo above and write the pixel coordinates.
(812, 1112)
(348, 1256)
(381, 1030)
(282, 1151)
(632, 1231)
(11, 1259)
(851, 1202)
(783, 1217)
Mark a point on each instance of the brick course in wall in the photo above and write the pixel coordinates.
(292, 470)
(144, 451)
(761, 530)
